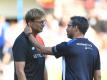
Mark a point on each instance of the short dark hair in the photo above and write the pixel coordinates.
(81, 23)
(33, 14)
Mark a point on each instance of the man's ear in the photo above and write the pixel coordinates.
(76, 27)
(29, 24)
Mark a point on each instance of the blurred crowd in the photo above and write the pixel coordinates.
(58, 12)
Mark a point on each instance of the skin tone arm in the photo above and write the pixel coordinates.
(20, 70)
(45, 74)
(97, 75)
(42, 49)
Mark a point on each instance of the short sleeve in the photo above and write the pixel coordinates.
(97, 64)
(19, 50)
(60, 49)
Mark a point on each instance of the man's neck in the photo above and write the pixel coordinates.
(34, 34)
(79, 36)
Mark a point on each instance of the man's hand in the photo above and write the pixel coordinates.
(28, 30)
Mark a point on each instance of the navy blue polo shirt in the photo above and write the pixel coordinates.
(81, 59)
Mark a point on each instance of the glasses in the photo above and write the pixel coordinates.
(41, 21)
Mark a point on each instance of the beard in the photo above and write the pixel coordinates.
(70, 36)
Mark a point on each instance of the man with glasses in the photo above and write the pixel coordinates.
(81, 60)
(29, 63)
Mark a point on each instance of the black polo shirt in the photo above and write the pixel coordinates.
(81, 59)
(23, 50)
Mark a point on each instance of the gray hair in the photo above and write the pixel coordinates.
(33, 14)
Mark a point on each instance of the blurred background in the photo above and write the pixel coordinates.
(58, 13)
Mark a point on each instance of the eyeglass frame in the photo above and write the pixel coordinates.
(40, 21)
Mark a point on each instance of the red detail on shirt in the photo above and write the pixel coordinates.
(40, 40)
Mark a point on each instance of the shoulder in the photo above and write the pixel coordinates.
(93, 45)
(94, 48)
(20, 47)
(67, 44)
(72, 42)
(21, 40)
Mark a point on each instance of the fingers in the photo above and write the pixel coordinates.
(30, 29)
(27, 30)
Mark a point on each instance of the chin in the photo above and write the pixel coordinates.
(40, 31)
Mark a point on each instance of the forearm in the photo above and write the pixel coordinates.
(97, 78)
(35, 42)
(42, 49)
(45, 74)
(21, 75)
(19, 67)
(97, 75)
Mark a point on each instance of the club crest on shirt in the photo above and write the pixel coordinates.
(36, 54)
(33, 48)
